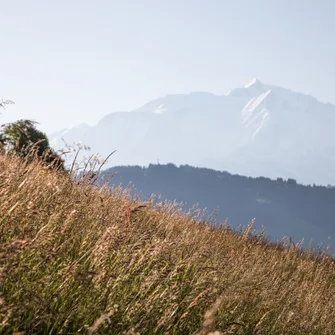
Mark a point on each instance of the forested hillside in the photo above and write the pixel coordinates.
(284, 207)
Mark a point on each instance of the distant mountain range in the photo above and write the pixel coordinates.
(255, 130)
(283, 208)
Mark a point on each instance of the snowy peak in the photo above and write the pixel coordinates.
(251, 89)
(255, 83)
(255, 130)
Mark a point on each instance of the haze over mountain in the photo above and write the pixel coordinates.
(255, 130)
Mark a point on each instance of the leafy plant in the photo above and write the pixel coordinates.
(22, 138)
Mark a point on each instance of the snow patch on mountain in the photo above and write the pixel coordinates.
(253, 83)
(160, 109)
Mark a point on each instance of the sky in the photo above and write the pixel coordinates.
(66, 62)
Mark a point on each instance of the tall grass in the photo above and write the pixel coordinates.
(75, 259)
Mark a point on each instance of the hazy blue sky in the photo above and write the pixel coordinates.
(65, 62)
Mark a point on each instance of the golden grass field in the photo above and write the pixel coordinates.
(75, 259)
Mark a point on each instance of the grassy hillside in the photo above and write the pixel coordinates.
(78, 260)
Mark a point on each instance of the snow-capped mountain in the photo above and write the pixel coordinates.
(255, 130)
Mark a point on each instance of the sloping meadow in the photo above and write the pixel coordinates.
(78, 259)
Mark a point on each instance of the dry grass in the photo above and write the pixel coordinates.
(78, 260)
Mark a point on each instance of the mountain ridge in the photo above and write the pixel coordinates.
(255, 130)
